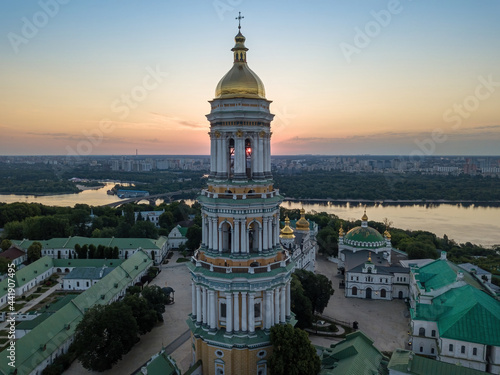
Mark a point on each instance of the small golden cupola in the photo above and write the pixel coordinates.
(287, 232)
(240, 81)
(387, 234)
(302, 223)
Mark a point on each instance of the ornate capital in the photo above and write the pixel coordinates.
(262, 134)
(239, 133)
(217, 134)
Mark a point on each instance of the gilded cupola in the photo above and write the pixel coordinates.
(240, 81)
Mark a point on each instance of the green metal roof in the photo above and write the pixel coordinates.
(464, 313)
(353, 356)
(440, 273)
(28, 273)
(88, 273)
(162, 364)
(364, 234)
(182, 230)
(87, 262)
(44, 339)
(408, 363)
(121, 243)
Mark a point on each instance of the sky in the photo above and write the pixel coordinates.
(109, 77)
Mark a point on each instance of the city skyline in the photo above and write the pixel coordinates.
(379, 77)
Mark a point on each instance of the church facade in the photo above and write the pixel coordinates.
(240, 274)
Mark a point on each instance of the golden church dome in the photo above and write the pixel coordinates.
(287, 232)
(240, 81)
(302, 223)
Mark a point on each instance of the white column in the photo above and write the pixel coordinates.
(261, 155)
(193, 299)
(224, 156)
(239, 156)
(276, 305)
(204, 304)
(243, 236)
(259, 237)
(215, 232)
(288, 301)
(283, 304)
(236, 247)
(213, 154)
(265, 233)
(220, 238)
(267, 166)
(268, 309)
(251, 314)
(203, 231)
(210, 233)
(212, 310)
(277, 232)
(198, 304)
(236, 312)
(229, 312)
(219, 156)
(244, 311)
(270, 233)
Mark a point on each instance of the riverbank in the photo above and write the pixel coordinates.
(398, 201)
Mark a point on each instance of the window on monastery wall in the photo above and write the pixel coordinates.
(421, 349)
(450, 347)
(223, 310)
(462, 349)
(256, 310)
(433, 333)
(421, 331)
(354, 291)
(432, 350)
(474, 351)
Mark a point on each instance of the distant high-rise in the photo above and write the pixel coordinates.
(241, 274)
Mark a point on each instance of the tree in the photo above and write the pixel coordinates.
(318, 288)
(6, 244)
(167, 220)
(327, 241)
(300, 304)
(144, 315)
(156, 299)
(193, 236)
(104, 334)
(3, 265)
(34, 251)
(14, 230)
(144, 229)
(293, 353)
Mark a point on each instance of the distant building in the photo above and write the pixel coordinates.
(177, 237)
(15, 255)
(152, 216)
(301, 242)
(355, 355)
(64, 248)
(454, 317)
(84, 277)
(404, 362)
(377, 282)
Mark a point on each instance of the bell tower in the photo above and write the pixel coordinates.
(240, 274)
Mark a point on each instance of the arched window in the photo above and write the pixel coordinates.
(354, 291)
(382, 293)
(231, 158)
(421, 331)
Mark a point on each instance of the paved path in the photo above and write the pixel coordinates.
(385, 322)
(171, 333)
(28, 305)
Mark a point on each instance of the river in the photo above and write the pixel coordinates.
(462, 223)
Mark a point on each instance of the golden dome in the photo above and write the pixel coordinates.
(341, 232)
(240, 81)
(387, 234)
(302, 223)
(287, 232)
(364, 218)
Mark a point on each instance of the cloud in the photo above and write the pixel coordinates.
(179, 121)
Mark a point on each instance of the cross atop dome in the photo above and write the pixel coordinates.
(239, 18)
